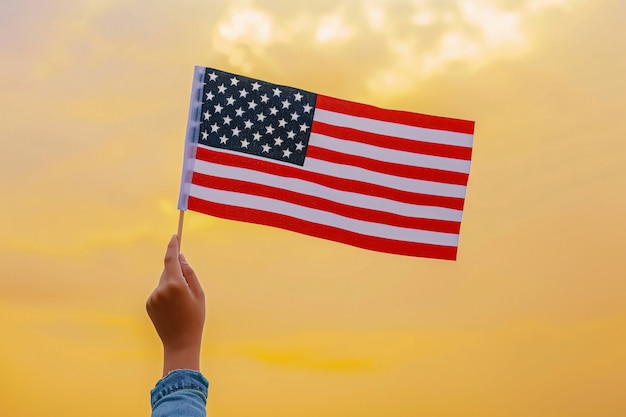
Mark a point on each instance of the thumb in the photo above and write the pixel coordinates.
(190, 275)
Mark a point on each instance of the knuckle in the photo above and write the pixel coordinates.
(169, 257)
(175, 288)
(150, 304)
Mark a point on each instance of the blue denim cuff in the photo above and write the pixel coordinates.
(179, 380)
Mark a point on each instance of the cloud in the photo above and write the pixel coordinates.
(333, 28)
(539, 5)
(248, 25)
(385, 46)
(497, 26)
(243, 35)
(468, 32)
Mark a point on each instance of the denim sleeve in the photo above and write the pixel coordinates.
(181, 393)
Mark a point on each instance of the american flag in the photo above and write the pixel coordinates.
(384, 180)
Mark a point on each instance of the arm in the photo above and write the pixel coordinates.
(177, 310)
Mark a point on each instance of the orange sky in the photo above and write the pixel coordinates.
(529, 321)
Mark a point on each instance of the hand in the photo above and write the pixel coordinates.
(177, 310)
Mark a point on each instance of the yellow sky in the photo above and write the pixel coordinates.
(528, 322)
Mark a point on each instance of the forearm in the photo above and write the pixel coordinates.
(181, 358)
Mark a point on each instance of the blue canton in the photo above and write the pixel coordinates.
(255, 117)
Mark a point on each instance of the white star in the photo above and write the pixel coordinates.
(278, 141)
(252, 105)
(214, 128)
(303, 127)
(277, 92)
(236, 131)
(286, 104)
(210, 95)
(218, 108)
(245, 143)
(213, 76)
(299, 146)
(266, 148)
(291, 134)
(230, 101)
(248, 124)
(269, 129)
(286, 153)
(260, 117)
(239, 112)
(307, 108)
(273, 111)
(243, 93)
(294, 116)
(206, 115)
(227, 120)
(282, 123)
(298, 96)
(205, 135)
(223, 139)
(222, 88)
(256, 136)
(234, 81)
(264, 98)
(255, 86)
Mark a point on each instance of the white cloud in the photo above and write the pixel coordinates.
(392, 43)
(424, 18)
(538, 5)
(454, 46)
(473, 32)
(248, 25)
(497, 26)
(243, 35)
(332, 28)
(376, 15)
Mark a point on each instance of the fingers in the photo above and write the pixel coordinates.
(171, 261)
(190, 276)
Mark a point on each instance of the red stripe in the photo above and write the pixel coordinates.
(322, 231)
(358, 213)
(342, 184)
(398, 170)
(394, 116)
(392, 142)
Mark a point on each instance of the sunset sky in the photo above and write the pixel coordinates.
(529, 321)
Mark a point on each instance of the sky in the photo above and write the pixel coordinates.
(529, 321)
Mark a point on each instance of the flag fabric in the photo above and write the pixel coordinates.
(384, 180)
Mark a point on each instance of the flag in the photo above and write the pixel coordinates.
(384, 180)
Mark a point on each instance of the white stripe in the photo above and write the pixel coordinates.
(316, 190)
(398, 183)
(394, 129)
(324, 217)
(389, 155)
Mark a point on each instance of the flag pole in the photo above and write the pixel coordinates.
(181, 217)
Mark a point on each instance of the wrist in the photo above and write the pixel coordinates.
(181, 358)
